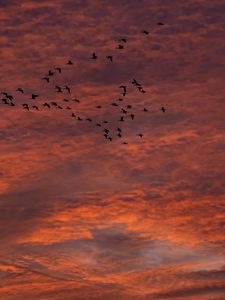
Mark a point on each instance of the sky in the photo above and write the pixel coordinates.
(82, 217)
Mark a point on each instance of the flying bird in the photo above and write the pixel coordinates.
(132, 116)
(46, 78)
(119, 129)
(109, 57)
(59, 69)
(68, 107)
(73, 115)
(129, 106)
(59, 107)
(69, 62)
(123, 110)
(67, 88)
(163, 109)
(98, 106)
(34, 96)
(58, 88)
(114, 104)
(123, 40)
(88, 119)
(50, 73)
(20, 90)
(145, 109)
(79, 119)
(120, 47)
(66, 100)
(35, 107)
(145, 31)
(25, 106)
(160, 23)
(54, 103)
(94, 56)
(47, 105)
(99, 125)
(140, 134)
(76, 100)
(121, 119)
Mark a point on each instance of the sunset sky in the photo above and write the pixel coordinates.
(85, 218)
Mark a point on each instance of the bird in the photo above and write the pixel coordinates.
(20, 90)
(125, 143)
(106, 130)
(67, 88)
(79, 119)
(50, 73)
(99, 125)
(120, 46)
(54, 103)
(66, 100)
(163, 109)
(76, 100)
(160, 23)
(58, 69)
(12, 104)
(132, 116)
(135, 82)
(140, 134)
(121, 119)
(98, 106)
(58, 88)
(109, 138)
(94, 56)
(5, 101)
(123, 110)
(34, 96)
(114, 104)
(10, 97)
(59, 107)
(35, 107)
(145, 31)
(124, 87)
(106, 135)
(119, 135)
(129, 106)
(47, 105)
(120, 99)
(119, 129)
(123, 40)
(73, 115)
(88, 119)
(105, 122)
(25, 106)
(145, 109)
(46, 78)
(68, 107)
(69, 62)
(109, 57)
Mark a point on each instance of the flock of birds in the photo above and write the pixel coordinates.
(125, 111)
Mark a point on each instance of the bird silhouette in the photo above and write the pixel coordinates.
(69, 62)
(129, 106)
(123, 40)
(68, 107)
(163, 109)
(76, 100)
(98, 106)
(120, 99)
(50, 73)
(123, 110)
(66, 100)
(124, 87)
(12, 104)
(119, 129)
(99, 125)
(145, 31)
(47, 105)
(110, 138)
(58, 88)
(79, 119)
(20, 90)
(121, 119)
(73, 115)
(35, 107)
(125, 143)
(105, 122)
(5, 101)
(106, 135)
(132, 116)
(34, 96)
(94, 56)
(120, 47)
(58, 69)
(109, 57)
(119, 135)
(114, 104)
(145, 109)
(67, 88)
(140, 134)
(59, 107)
(25, 106)
(88, 119)
(54, 103)
(106, 130)
(160, 23)
(46, 78)
(134, 81)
